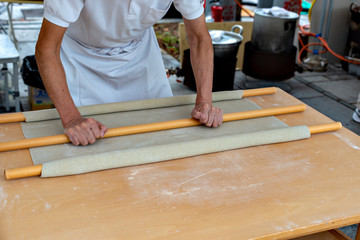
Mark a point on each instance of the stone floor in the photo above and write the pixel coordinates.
(334, 93)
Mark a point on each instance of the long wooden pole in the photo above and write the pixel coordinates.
(258, 92)
(35, 170)
(19, 117)
(12, 118)
(150, 127)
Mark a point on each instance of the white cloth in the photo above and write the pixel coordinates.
(109, 51)
(276, 12)
(134, 72)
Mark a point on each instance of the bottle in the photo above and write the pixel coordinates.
(293, 6)
(290, 5)
(217, 13)
(229, 10)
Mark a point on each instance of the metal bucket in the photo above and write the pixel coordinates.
(273, 34)
(228, 44)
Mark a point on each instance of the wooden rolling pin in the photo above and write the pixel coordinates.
(33, 171)
(19, 117)
(150, 127)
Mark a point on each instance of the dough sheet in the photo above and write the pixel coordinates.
(152, 154)
(143, 148)
(49, 114)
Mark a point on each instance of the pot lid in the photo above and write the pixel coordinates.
(220, 37)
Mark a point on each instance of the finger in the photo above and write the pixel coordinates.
(89, 135)
(80, 134)
(74, 140)
(86, 131)
(203, 117)
(196, 114)
(211, 117)
(199, 116)
(205, 109)
(221, 119)
(83, 139)
(218, 118)
(103, 129)
(69, 132)
(96, 132)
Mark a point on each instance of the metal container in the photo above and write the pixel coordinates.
(227, 45)
(273, 34)
(265, 3)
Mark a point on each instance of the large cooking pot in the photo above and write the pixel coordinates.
(226, 43)
(273, 34)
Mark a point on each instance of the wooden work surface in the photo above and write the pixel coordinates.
(276, 191)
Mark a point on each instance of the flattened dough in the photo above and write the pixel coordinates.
(136, 149)
(151, 154)
(91, 110)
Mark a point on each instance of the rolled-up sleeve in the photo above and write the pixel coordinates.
(62, 12)
(190, 9)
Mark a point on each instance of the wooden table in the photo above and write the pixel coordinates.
(276, 191)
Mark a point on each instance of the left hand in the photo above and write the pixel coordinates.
(208, 114)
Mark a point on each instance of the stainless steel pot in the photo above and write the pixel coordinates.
(273, 34)
(226, 45)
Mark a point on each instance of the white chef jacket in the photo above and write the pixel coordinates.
(109, 51)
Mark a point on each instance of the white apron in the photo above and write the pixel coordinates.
(132, 71)
(109, 51)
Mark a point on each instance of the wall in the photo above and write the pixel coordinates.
(339, 28)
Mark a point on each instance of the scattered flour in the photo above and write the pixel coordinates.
(3, 197)
(347, 141)
(47, 206)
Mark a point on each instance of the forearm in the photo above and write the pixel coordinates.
(202, 56)
(81, 131)
(53, 76)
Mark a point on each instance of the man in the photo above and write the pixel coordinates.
(91, 52)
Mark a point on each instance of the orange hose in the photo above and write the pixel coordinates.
(306, 48)
(324, 44)
(245, 10)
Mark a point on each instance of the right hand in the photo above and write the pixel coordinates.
(84, 131)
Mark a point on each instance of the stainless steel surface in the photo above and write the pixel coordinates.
(228, 43)
(9, 54)
(273, 34)
(227, 37)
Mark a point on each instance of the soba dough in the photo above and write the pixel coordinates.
(151, 154)
(49, 114)
(155, 146)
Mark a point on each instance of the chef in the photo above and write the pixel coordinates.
(92, 52)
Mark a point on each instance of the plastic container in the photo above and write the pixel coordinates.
(30, 73)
